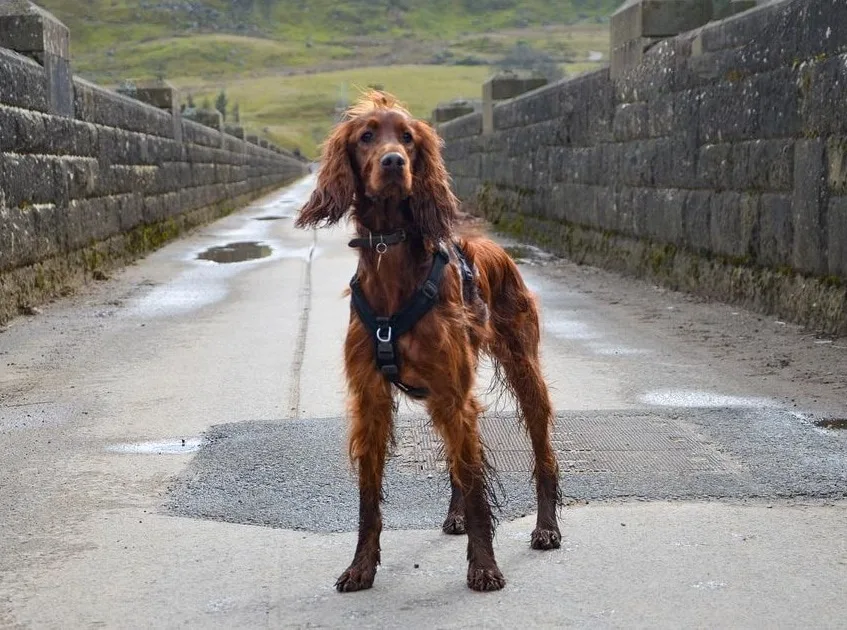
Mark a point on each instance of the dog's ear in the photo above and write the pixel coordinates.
(336, 186)
(433, 204)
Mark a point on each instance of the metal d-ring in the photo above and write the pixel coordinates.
(381, 248)
(379, 336)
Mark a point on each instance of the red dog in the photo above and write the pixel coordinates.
(424, 303)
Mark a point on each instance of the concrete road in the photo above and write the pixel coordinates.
(172, 446)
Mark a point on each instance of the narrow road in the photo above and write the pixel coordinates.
(172, 455)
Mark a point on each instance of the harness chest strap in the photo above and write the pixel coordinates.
(386, 330)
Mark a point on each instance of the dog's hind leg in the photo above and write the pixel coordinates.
(371, 411)
(458, 425)
(515, 347)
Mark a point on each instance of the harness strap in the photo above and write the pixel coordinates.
(386, 330)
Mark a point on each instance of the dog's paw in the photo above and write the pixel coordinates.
(355, 579)
(485, 579)
(543, 538)
(454, 524)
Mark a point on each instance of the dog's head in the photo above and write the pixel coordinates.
(380, 156)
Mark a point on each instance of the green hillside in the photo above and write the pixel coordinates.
(255, 48)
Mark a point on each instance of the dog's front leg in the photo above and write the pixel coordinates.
(371, 413)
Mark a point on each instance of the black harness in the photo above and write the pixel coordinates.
(386, 330)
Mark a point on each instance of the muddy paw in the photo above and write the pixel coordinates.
(489, 579)
(545, 539)
(454, 524)
(355, 579)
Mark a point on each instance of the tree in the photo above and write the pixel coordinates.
(236, 113)
(191, 100)
(220, 104)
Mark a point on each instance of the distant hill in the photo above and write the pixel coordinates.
(112, 22)
(257, 50)
(289, 31)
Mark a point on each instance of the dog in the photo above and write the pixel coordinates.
(425, 302)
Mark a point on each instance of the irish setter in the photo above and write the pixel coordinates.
(425, 302)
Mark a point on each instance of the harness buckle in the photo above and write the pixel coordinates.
(429, 289)
(384, 337)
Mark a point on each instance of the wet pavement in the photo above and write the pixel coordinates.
(173, 446)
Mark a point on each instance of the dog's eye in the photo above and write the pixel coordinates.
(367, 136)
(407, 138)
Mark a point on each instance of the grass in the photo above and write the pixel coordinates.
(218, 55)
(299, 110)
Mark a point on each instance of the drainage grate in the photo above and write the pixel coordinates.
(608, 443)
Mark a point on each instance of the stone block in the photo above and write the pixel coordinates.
(450, 111)
(92, 220)
(36, 33)
(96, 105)
(631, 121)
(729, 111)
(809, 206)
(28, 29)
(836, 158)
(637, 24)
(236, 131)
(762, 165)
(82, 176)
(674, 164)
(733, 222)
(823, 90)
(658, 214)
(714, 168)
(776, 234)
(160, 94)
(503, 87)
(253, 138)
(28, 180)
(209, 118)
(130, 211)
(837, 233)
(697, 219)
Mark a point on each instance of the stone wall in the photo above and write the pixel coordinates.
(717, 164)
(105, 180)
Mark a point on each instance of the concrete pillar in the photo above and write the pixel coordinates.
(36, 33)
(502, 87)
(638, 24)
(165, 96)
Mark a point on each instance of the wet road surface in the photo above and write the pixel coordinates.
(173, 455)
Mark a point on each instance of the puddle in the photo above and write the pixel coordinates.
(166, 447)
(270, 217)
(832, 423)
(686, 398)
(236, 252)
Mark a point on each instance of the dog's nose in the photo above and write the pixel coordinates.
(392, 161)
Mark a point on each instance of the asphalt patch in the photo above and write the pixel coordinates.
(295, 473)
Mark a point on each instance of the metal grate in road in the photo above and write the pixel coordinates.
(615, 442)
